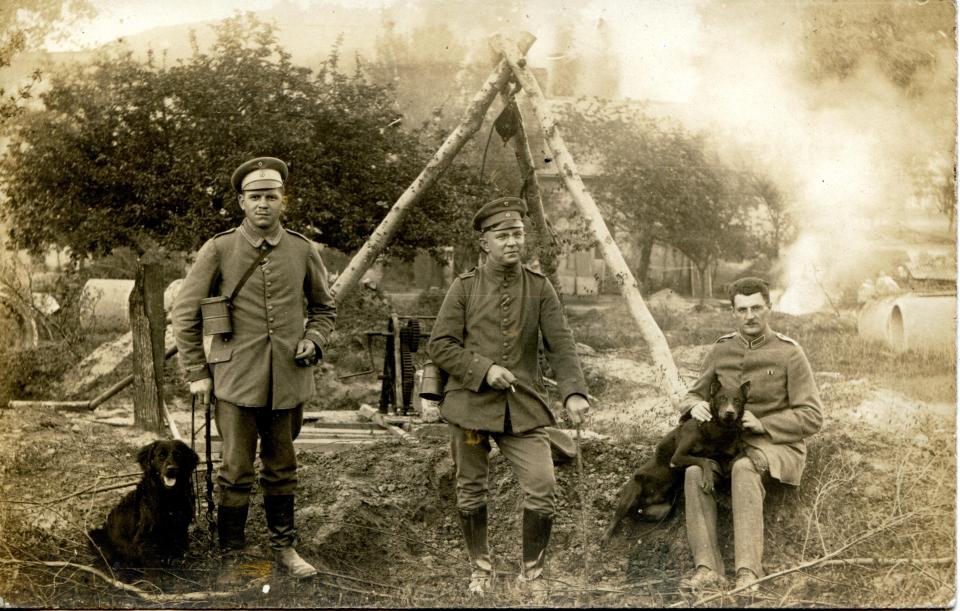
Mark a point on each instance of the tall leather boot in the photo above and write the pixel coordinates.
(231, 524)
(474, 526)
(536, 536)
(279, 510)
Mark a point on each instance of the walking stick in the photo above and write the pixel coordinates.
(211, 522)
(582, 492)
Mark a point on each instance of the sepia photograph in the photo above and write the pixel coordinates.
(457, 304)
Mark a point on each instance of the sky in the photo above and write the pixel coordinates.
(658, 36)
(118, 18)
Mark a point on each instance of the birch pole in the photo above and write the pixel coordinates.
(546, 247)
(668, 378)
(472, 120)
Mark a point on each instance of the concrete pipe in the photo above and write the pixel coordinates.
(911, 322)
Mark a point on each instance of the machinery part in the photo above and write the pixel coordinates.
(407, 373)
(410, 333)
(387, 398)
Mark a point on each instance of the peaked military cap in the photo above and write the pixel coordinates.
(259, 173)
(501, 213)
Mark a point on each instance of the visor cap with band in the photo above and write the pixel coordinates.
(259, 173)
(501, 213)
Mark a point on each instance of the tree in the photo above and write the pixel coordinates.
(660, 184)
(23, 25)
(906, 40)
(129, 152)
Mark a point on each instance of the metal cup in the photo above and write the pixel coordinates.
(216, 315)
(434, 379)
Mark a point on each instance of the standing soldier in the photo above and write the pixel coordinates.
(783, 408)
(260, 373)
(486, 337)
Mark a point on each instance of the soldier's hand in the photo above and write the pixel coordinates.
(752, 423)
(500, 377)
(306, 353)
(578, 407)
(701, 412)
(202, 389)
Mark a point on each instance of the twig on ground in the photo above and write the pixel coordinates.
(89, 490)
(125, 587)
(887, 561)
(361, 580)
(805, 565)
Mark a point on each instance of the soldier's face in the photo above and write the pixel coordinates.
(503, 246)
(263, 207)
(752, 314)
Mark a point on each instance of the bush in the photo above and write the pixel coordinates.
(32, 373)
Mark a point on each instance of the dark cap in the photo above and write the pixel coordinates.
(259, 173)
(501, 213)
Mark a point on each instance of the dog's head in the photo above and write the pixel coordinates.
(172, 462)
(726, 403)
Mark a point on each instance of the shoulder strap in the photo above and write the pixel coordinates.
(249, 272)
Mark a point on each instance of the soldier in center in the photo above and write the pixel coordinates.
(486, 338)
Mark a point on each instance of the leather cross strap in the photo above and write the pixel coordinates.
(246, 275)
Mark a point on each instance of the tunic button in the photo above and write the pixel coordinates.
(269, 282)
(506, 344)
(270, 331)
(271, 319)
(269, 294)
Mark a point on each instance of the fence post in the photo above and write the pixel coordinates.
(147, 325)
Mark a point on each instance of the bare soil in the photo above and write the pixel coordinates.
(379, 520)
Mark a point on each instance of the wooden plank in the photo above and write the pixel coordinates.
(69, 406)
(341, 425)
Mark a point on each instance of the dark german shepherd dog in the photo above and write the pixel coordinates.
(650, 492)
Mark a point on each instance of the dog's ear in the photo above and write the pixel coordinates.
(745, 390)
(145, 454)
(714, 385)
(190, 458)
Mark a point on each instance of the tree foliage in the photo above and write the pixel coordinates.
(659, 183)
(133, 152)
(905, 40)
(24, 24)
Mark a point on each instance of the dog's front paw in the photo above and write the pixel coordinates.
(711, 470)
(758, 459)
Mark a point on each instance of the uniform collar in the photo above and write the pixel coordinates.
(502, 271)
(756, 342)
(256, 237)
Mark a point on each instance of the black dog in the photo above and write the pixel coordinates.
(150, 523)
(651, 491)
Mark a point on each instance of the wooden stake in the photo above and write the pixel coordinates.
(669, 378)
(546, 248)
(381, 236)
(147, 325)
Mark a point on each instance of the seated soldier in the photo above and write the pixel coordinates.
(783, 408)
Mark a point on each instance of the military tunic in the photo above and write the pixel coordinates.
(783, 395)
(254, 366)
(496, 316)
